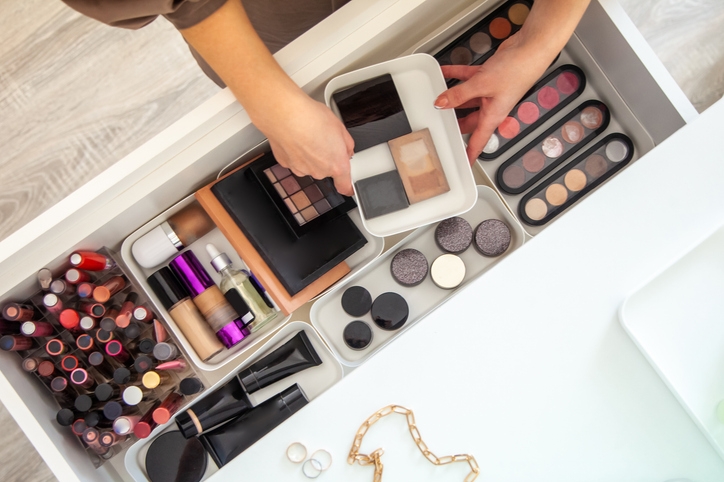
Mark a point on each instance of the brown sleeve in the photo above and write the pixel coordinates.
(137, 13)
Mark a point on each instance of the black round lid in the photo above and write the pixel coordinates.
(83, 403)
(146, 346)
(104, 391)
(190, 386)
(390, 311)
(132, 331)
(122, 375)
(108, 324)
(112, 410)
(65, 417)
(96, 358)
(357, 335)
(142, 364)
(92, 419)
(356, 301)
(173, 458)
(167, 287)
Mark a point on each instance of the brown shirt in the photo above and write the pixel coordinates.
(277, 22)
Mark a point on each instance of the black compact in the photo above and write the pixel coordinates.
(357, 335)
(390, 311)
(173, 458)
(356, 301)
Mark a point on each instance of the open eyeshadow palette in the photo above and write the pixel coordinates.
(551, 150)
(365, 312)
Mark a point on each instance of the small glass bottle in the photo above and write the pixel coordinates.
(239, 291)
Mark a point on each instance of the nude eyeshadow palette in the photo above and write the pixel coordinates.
(545, 99)
(553, 147)
(576, 179)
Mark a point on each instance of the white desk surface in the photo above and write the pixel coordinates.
(529, 368)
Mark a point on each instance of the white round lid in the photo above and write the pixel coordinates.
(153, 248)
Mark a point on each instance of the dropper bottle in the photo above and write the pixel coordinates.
(239, 291)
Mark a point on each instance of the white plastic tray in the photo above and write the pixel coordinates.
(361, 258)
(419, 81)
(677, 321)
(330, 319)
(314, 381)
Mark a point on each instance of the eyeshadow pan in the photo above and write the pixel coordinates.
(595, 165)
(309, 213)
(514, 176)
(528, 112)
(290, 185)
(492, 145)
(536, 209)
(509, 128)
(305, 181)
(461, 56)
(533, 161)
(322, 206)
(300, 200)
(280, 190)
(556, 194)
(280, 172)
(270, 175)
(518, 13)
(552, 147)
(409, 267)
(480, 43)
(290, 205)
(299, 218)
(447, 271)
(326, 186)
(335, 199)
(567, 82)
(313, 193)
(616, 151)
(453, 235)
(492, 238)
(500, 28)
(419, 166)
(575, 180)
(572, 132)
(548, 97)
(592, 117)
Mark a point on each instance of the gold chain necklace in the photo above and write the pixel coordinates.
(375, 457)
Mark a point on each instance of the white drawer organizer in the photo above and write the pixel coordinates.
(188, 155)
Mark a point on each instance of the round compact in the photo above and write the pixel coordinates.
(448, 271)
(173, 458)
(454, 235)
(357, 335)
(409, 267)
(356, 301)
(492, 238)
(390, 311)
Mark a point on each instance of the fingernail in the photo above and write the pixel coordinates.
(441, 102)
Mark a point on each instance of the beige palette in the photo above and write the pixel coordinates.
(419, 166)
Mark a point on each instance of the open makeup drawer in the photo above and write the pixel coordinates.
(191, 152)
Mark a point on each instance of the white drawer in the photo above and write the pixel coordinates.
(188, 154)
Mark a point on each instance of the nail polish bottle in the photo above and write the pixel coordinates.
(239, 291)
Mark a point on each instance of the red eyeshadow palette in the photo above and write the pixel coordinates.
(577, 179)
(478, 43)
(304, 202)
(548, 97)
(553, 147)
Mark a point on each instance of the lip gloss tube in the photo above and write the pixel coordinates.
(85, 290)
(37, 328)
(30, 365)
(70, 319)
(132, 331)
(109, 439)
(108, 322)
(81, 378)
(53, 303)
(85, 342)
(99, 362)
(69, 363)
(9, 328)
(87, 323)
(123, 425)
(18, 312)
(117, 351)
(91, 308)
(143, 364)
(142, 313)
(75, 276)
(175, 298)
(60, 287)
(91, 261)
(106, 391)
(208, 298)
(56, 347)
(168, 407)
(46, 368)
(45, 277)
(145, 426)
(153, 380)
(113, 410)
(15, 343)
(173, 366)
(123, 318)
(165, 352)
(159, 332)
(105, 291)
(92, 437)
(78, 427)
(61, 385)
(134, 395)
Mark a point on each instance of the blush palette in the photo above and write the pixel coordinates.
(304, 202)
(553, 147)
(548, 97)
(478, 43)
(575, 180)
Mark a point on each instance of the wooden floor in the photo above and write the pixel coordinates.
(76, 96)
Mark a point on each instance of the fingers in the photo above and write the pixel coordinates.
(469, 122)
(461, 72)
(485, 128)
(343, 184)
(460, 94)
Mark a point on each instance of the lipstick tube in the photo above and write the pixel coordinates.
(81, 378)
(30, 365)
(175, 298)
(69, 363)
(86, 403)
(123, 318)
(91, 261)
(87, 323)
(91, 436)
(146, 345)
(45, 277)
(108, 289)
(109, 439)
(142, 313)
(209, 300)
(118, 352)
(56, 347)
(123, 376)
(15, 343)
(99, 362)
(9, 327)
(85, 342)
(85, 290)
(165, 352)
(46, 368)
(18, 312)
(70, 319)
(143, 364)
(172, 366)
(145, 426)
(65, 417)
(132, 331)
(79, 426)
(152, 379)
(108, 322)
(75, 276)
(168, 407)
(113, 410)
(95, 418)
(103, 336)
(53, 303)
(62, 288)
(123, 425)
(159, 332)
(60, 385)
(91, 308)
(37, 328)
(134, 395)
(106, 391)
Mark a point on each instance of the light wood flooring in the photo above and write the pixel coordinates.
(76, 96)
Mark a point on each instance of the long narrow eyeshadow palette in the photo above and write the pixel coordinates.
(553, 147)
(479, 42)
(545, 99)
(577, 179)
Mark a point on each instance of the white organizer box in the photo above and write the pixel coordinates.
(677, 321)
(188, 154)
(418, 81)
(330, 319)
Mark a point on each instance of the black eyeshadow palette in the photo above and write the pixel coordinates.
(553, 147)
(372, 112)
(381, 194)
(304, 202)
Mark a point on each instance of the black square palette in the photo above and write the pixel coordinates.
(304, 202)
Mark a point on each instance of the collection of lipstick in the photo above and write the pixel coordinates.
(107, 360)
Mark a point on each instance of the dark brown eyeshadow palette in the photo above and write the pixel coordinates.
(304, 202)
(545, 99)
(479, 42)
(553, 147)
(576, 179)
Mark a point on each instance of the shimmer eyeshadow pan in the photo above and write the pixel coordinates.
(478, 43)
(576, 179)
(419, 166)
(545, 99)
(553, 147)
(304, 202)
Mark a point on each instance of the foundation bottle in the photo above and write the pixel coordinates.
(207, 297)
(176, 300)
